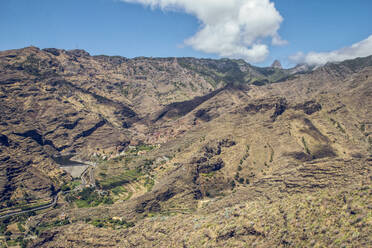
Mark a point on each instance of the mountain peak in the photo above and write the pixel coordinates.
(277, 64)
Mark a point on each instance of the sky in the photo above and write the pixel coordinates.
(258, 31)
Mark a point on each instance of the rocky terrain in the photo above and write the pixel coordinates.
(187, 152)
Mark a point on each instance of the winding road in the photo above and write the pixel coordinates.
(48, 205)
(90, 176)
(87, 177)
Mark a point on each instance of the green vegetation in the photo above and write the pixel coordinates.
(19, 219)
(22, 242)
(144, 148)
(25, 203)
(271, 154)
(89, 197)
(125, 92)
(363, 127)
(124, 158)
(229, 71)
(31, 65)
(179, 85)
(209, 175)
(112, 223)
(260, 82)
(114, 174)
(232, 183)
(128, 196)
(305, 146)
(20, 227)
(118, 190)
(246, 155)
(34, 205)
(147, 163)
(193, 88)
(149, 183)
(48, 225)
(65, 187)
(136, 92)
(71, 185)
(338, 125)
(236, 177)
(102, 174)
(10, 242)
(370, 145)
(3, 227)
(111, 182)
(35, 66)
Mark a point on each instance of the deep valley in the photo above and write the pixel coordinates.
(183, 152)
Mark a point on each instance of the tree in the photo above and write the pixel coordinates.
(233, 184)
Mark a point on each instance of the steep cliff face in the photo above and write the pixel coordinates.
(188, 138)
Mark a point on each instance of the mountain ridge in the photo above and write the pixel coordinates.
(181, 138)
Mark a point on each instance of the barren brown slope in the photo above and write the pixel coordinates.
(56, 102)
(280, 165)
(308, 169)
(283, 164)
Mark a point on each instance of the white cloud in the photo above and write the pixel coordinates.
(229, 28)
(360, 49)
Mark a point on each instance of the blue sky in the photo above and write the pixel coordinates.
(116, 27)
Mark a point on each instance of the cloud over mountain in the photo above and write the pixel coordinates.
(234, 28)
(359, 49)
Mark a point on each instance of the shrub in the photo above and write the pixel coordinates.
(119, 189)
(305, 145)
(126, 177)
(237, 176)
(107, 200)
(20, 227)
(233, 184)
(149, 184)
(65, 187)
(3, 227)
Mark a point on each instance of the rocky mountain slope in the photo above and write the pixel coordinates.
(218, 151)
(67, 102)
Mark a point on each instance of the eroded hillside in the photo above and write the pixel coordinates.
(187, 152)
